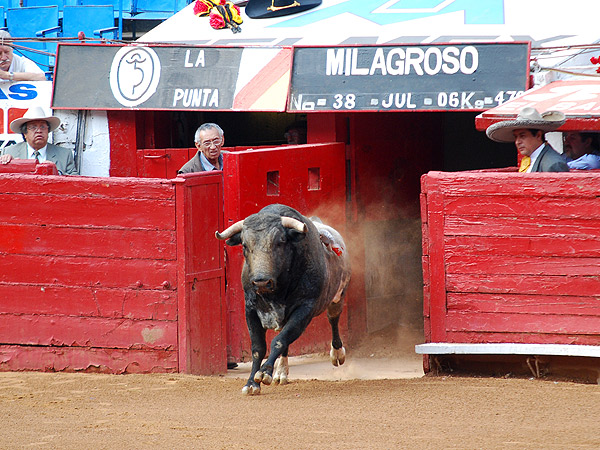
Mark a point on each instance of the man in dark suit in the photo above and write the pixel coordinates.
(528, 132)
(209, 140)
(35, 126)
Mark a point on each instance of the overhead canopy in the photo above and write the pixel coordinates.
(578, 99)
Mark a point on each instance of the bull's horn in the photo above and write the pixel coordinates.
(233, 229)
(289, 222)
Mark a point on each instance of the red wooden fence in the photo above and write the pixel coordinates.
(511, 258)
(111, 274)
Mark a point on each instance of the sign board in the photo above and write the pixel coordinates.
(408, 77)
(171, 77)
(15, 99)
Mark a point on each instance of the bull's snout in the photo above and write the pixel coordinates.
(263, 286)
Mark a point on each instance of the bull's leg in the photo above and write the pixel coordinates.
(338, 352)
(259, 350)
(292, 330)
(282, 369)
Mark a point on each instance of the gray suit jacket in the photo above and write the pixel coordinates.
(62, 157)
(550, 160)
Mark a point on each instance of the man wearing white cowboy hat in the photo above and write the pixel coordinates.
(35, 126)
(528, 132)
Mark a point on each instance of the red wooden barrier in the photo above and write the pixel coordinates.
(29, 166)
(511, 258)
(103, 274)
(310, 178)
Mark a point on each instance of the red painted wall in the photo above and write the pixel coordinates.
(511, 257)
(310, 178)
(93, 273)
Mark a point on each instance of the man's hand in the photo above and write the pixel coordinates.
(5, 159)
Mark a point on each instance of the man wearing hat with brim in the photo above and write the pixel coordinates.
(528, 132)
(35, 126)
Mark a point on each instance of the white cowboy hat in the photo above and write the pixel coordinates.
(34, 113)
(527, 118)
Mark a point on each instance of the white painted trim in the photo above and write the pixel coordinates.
(447, 348)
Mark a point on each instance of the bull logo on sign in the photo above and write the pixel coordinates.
(134, 75)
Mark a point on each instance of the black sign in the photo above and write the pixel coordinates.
(411, 77)
(145, 77)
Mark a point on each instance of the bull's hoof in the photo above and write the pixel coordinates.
(251, 389)
(281, 371)
(263, 377)
(337, 356)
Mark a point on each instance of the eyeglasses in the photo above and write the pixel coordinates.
(37, 127)
(214, 142)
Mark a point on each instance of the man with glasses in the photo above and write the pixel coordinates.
(209, 141)
(35, 126)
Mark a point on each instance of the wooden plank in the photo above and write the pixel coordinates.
(89, 301)
(183, 297)
(426, 287)
(575, 184)
(519, 265)
(582, 228)
(85, 359)
(448, 348)
(51, 240)
(437, 273)
(530, 304)
(79, 271)
(571, 246)
(532, 284)
(87, 332)
(520, 206)
(51, 209)
(523, 323)
(527, 337)
(91, 187)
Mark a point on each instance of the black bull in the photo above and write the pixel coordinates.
(294, 269)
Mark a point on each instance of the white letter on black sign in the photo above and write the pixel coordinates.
(335, 62)
(357, 70)
(437, 56)
(470, 50)
(414, 58)
(395, 67)
(378, 62)
(451, 65)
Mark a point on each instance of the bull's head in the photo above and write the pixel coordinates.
(265, 240)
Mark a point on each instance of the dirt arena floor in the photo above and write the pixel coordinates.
(319, 409)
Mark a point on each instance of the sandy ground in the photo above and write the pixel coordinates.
(378, 401)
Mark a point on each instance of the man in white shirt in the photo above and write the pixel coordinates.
(14, 67)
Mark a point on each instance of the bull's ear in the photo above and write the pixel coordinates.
(234, 240)
(294, 235)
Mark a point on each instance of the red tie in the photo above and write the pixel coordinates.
(36, 155)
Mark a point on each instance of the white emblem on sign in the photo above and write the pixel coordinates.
(134, 75)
